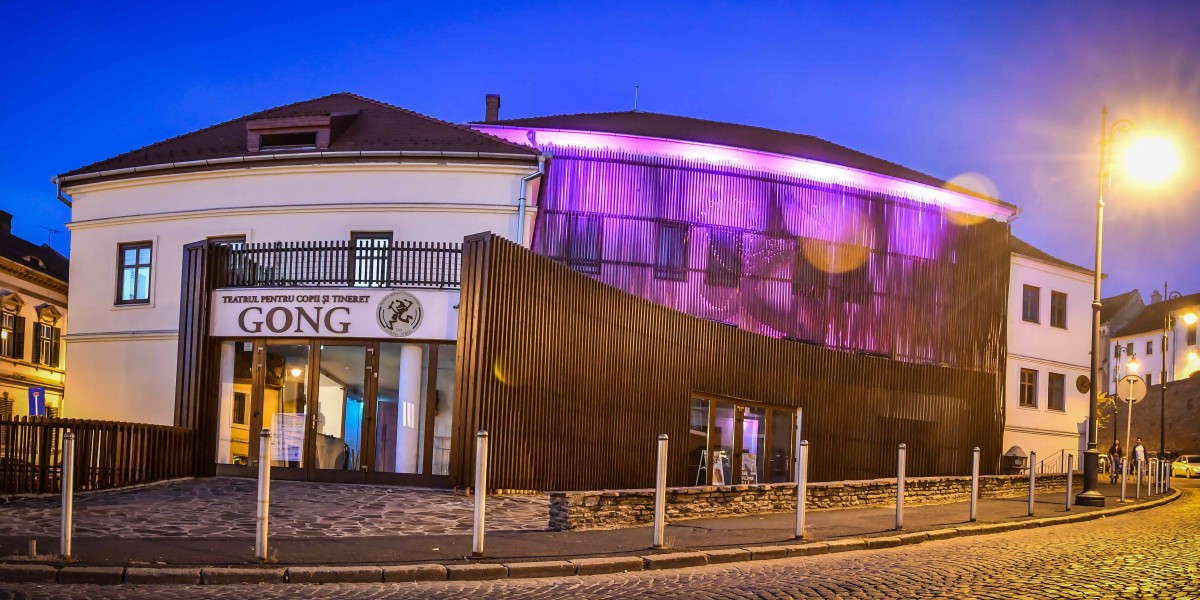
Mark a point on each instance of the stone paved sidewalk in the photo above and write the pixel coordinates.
(223, 507)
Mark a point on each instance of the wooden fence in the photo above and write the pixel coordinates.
(108, 454)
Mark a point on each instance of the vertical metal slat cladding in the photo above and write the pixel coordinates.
(574, 378)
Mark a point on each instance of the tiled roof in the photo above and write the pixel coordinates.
(17, 250)
(674, 127)
(373, 126)
(1114, 304)
(1019, 246)
(1151, 317)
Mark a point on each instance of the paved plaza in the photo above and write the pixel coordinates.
(1146, 554)
(223, 507)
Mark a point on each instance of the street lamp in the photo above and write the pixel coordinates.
(1151, 159)
(1168, 325)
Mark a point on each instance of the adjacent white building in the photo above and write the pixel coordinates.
(1115, 312)
(33, 315)
(1142, 337)
(1049, 328)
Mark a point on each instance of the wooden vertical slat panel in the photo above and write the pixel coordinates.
(574, 379)
(107, 454)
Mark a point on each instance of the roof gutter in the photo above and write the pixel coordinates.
(233, 160)
(61, 197)
(541, 170)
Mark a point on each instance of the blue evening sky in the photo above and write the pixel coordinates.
(1009, 90)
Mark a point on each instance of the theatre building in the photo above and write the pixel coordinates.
(376, 286)
(329, 235)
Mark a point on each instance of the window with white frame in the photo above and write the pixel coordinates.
(1056, 392)
(1031, 297)
(133, 273)
(1029, 381)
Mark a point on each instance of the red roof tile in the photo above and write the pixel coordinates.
(372, 126)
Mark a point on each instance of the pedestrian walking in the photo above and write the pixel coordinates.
(1138, 456)
(1115, 454)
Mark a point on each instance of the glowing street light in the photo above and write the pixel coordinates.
(1151, 159)
(1189, 318)
(1134, 365)
(1147, 159)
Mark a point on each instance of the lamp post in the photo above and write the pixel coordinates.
(1155, 167)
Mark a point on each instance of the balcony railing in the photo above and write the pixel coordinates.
(340, 264)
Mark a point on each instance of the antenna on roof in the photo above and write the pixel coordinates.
(49, 233)
(635, 95)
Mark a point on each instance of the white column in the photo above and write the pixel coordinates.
(224, 433)
(408, 409)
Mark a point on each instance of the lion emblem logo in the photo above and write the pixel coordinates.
(400, 314)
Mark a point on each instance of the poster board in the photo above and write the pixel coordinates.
(287, 437)
(749, 468)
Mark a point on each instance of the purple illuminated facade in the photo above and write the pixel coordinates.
(781, 246)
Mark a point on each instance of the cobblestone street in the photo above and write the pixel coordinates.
(1148, 554)
(224, 506)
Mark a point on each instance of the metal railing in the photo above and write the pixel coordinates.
(364, 263)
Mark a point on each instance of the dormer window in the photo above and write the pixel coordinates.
(288, 133)
(288, 141)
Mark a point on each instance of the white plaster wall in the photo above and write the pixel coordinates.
(129, 352)
(1047, 350)
(123, 379)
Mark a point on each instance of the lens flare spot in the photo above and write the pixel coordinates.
(832, 257)
(975, 182)
(502, 372)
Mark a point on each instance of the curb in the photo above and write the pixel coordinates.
(42, 573)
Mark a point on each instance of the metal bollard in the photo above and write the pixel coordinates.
(1124, 475)
(900, 450)
(264, 493)
(1151, 477)
(68, 494)
(660, 492)
(1166, 467)
(1147, 471)
(1137, 481)
(974, 480)
(1070, 477)
(481, 465)
(1032, 479)
(801, 485)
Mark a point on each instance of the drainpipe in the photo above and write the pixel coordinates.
(58, 189)
(524, 185)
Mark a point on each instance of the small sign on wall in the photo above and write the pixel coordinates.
(37, 401)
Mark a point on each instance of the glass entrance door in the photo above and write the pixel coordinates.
(737, 442)
(346, 411)
(284, 393)
(343, 379)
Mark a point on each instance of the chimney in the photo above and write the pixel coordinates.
(492, 112)
(1155, 298)
(5, 222)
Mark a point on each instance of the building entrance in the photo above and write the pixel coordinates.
(342, 411)
(735, 442)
